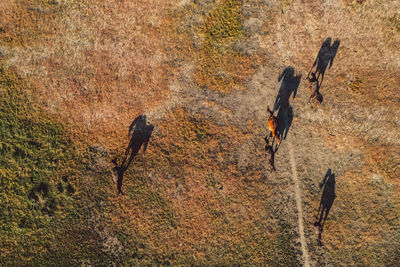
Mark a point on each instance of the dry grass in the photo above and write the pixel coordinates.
(201, 193)
(188, 203)
(355, 86)
(96, 64)
(220, 66)
(364, 215)
(362, 223)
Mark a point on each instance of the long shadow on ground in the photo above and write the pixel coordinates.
(327, 199)
(289, 86)
(325, 57)
(141, 133)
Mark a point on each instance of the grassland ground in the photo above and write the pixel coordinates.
(76, 73)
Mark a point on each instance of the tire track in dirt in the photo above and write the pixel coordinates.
(297, 192)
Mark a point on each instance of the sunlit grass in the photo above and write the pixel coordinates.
(219, 66)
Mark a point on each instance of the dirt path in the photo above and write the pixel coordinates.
(299, 206)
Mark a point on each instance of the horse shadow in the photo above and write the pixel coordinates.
(139, 134)
(289, 85)
(326, 202)
(325, 57)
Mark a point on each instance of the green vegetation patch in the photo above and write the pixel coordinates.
(282, 252)
(219, 66)
(140, 236)
(40, 217)
(224, 24)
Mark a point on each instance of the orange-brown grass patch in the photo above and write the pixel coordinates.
(385, 160)
(378, 86)
(339, 141)
(187, 202)
(95, 64)
(382, 85)
(24, 22)
(379, 158)
(364, 213)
